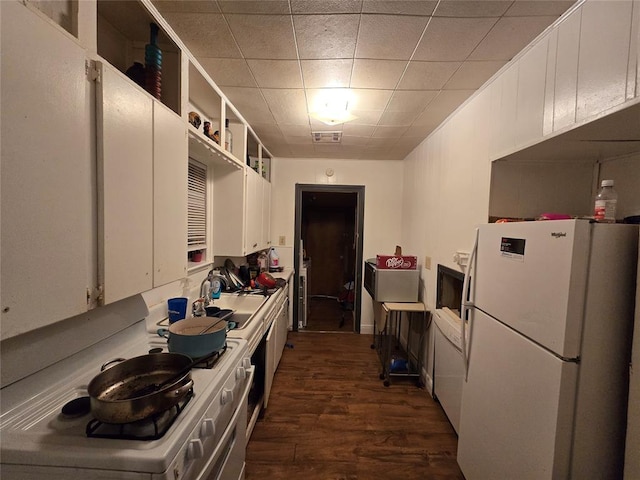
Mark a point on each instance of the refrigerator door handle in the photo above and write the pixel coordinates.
(466, 305)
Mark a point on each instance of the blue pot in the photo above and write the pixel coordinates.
(185, 337)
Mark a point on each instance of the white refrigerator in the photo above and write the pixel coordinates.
(550, 310)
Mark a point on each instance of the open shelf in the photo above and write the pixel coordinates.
(123, 33)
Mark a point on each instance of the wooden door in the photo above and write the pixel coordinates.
(328, 240)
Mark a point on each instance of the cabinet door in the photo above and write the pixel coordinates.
(48, 253)
(604, 56)
(269, 368)
(266, 213)
(282, 322)
(125, 186)
(170, 167)
(253, 212)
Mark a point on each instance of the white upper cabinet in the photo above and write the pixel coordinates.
(169, 196)
(253, 215)
(604, 56)
(531, 93)
(125, 186)
(48, 252)
(565, 62)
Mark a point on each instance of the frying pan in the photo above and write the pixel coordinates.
(123, 393)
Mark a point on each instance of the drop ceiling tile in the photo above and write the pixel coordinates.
(472, 8)
(380, 37)
(509, 36)
(264, 129)
(186, 6)
(281, 150)
(418, 131)
(389, 131)
(228, 72)
(410, 101)
(287, 105)
(427, 75)
(276, 73)
(326, 36)
(449, 39)
(472, 75)
(441, 107)
(355, 130)
(366, 117)
(298, 140)
(205, 34)
(378, 74)
(357, 141)
(523, 8)
(299, 130)
(301, 150)
(326, 6)
(396, 119)
(373, 99)
(399, 7)
(250, 103)
(326, 73)
(254, 6)
(263, 36)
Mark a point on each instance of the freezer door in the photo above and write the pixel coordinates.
(532, 276)
(517, 407)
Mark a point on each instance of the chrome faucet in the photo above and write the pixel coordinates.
(211, 276)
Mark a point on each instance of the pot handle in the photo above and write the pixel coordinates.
(180, 391)
(231, 325)
(106, 365)
(163, 332)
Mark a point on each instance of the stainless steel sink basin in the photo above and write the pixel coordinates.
(244, 306)
(240, 303)
(241, 319)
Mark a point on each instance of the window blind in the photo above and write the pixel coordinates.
(197, 206)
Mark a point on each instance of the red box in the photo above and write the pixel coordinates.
(396, 262)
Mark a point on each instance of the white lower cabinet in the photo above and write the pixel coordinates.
(48, 244)
(139, 143)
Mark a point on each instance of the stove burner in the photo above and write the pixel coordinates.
(77, 407)
(210, 363)
(151, 428)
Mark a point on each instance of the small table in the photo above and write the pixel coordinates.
(397, 361)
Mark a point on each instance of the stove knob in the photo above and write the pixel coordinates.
(208, 428)
(246, 363)
(195, 449)
(226, 397)
(241, 373)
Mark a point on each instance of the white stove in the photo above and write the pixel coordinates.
(206, 439)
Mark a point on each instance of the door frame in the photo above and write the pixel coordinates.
(359, 191)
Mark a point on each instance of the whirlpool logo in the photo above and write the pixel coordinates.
(558, 234)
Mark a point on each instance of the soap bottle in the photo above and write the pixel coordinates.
(606, 202)
(216, 287)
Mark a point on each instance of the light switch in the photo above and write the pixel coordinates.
(427, 262)
(282, 240)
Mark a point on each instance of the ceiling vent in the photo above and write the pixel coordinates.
(326, 137)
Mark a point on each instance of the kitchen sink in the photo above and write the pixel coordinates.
(241, 319)
(240, 303)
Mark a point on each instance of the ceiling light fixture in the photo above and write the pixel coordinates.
(332, 107)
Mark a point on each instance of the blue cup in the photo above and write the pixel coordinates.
(177, 308)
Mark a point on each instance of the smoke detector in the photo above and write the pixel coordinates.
(326, 137)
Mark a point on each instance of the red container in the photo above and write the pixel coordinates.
(396, 262)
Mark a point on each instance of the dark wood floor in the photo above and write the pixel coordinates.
(326, 314)
(330, 417)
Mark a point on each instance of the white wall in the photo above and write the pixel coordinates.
(383, 182)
